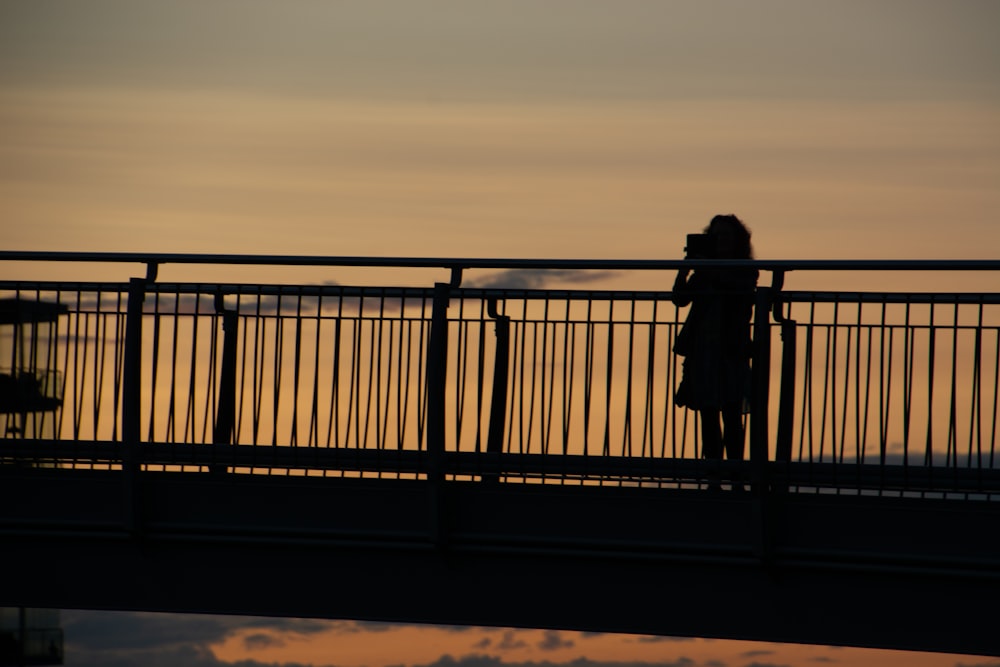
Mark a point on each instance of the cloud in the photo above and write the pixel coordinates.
(113, 639)
(304, 300)
(467, 661)
(491, 661)
(353, 627)
(189, 656)
(536, 278)
(553, 640)
(261, 640)
(129, 630)
(509, 642)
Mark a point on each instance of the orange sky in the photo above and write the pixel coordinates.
(120, 638)
(563, 129)
(423, 646)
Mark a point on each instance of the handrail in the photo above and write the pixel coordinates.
(508, 263)
(262, 289)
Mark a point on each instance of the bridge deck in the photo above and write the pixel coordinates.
(891, 572)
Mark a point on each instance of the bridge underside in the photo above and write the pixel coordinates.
(791, 567)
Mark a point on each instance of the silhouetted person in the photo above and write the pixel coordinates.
(715, 339)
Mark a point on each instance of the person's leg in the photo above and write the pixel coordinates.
(711, 445)
(733, 439)
(711, 434)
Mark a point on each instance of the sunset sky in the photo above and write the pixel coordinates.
(504, 128)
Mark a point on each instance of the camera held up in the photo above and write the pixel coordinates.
(699, 246)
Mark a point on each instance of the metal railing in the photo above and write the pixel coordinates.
(869, 391)
(892, 381)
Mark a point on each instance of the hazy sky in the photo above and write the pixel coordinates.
(452, 50)
(503, 128)
(514, 129)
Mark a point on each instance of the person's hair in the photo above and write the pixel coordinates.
(744, 247)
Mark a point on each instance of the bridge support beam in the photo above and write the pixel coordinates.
(914, 574)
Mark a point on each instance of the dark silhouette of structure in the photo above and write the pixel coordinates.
(30, 637)
(27, 383)
(511, 457)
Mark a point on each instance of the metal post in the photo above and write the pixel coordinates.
(132, 401)
(759, 432)
(786, 399)
(498, 400)
(225, 413)
(437, 374)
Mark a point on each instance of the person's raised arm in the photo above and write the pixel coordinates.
(682, 292)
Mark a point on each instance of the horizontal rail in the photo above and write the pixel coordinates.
(890, 297)
(229, 289)
(505, 263)
(507, 467)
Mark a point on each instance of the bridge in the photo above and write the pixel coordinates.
(488, 454)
